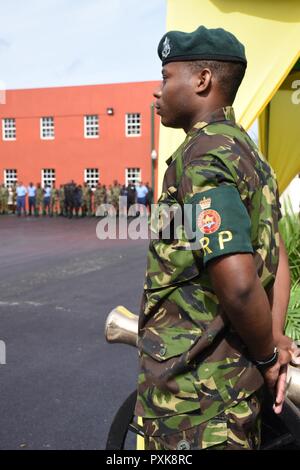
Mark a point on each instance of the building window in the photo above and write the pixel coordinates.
(91, 126)
(91, 177)
(132, 175)
(47, 128)
(9, 129)
(133, 124)
(48, 177)
(10, 178)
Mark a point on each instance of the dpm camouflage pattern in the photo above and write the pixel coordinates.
(191, 360)
(237, 428)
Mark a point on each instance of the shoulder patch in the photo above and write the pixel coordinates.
(218, 222)
(209, 221)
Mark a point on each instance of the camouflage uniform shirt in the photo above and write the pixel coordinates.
(192, 363)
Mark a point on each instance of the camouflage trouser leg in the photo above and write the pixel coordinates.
(53, 208)
(237, 428)
(4, 206)
(88, 207)
(38, 207)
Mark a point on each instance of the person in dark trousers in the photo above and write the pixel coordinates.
(47, 200)
(123, 200)
(21, 198)
(31, 191)
(131, 195)
(77, 199)
(69, 199)
(149, 198)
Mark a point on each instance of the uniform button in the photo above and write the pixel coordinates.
(162, 351)
(210, 337)
(183, 445)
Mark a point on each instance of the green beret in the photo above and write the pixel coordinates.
(202, 44)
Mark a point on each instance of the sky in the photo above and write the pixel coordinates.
(48, 43)
(45, 43)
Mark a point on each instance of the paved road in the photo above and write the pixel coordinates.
(62, 382)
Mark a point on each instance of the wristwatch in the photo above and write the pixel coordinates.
(269, 362)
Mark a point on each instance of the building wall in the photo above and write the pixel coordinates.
(70, 152)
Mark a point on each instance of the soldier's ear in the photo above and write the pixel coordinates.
(203, 82)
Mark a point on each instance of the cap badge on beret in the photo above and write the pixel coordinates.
(166, 48)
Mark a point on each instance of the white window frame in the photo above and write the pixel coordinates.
(91, 180)
(48, 175)
(47, 123)
(128, 178)
(10, 177)
(128, 124)
(91, 123)
(8, 128)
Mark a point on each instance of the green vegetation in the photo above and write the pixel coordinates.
(290, 231)
(292, 324)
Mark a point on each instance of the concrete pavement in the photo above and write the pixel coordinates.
(62, 382)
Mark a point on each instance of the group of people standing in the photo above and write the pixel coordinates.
(73, 199)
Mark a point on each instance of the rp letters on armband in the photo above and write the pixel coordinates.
(219, 222)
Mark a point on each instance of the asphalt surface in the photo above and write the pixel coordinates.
(62, 383)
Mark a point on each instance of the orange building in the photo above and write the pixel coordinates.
(85, 133)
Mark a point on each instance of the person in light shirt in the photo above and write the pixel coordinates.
(141, 193)
(31, 190)
(47, 200)
(21, 198)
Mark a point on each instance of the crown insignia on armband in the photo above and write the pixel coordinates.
(205, 203)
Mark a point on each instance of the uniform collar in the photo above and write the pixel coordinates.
(220, 114)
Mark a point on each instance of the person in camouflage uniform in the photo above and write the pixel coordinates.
(61, 196)
(115, 194)
(39, 198)
(1, 196)
(99, 197)
(109, 200)
(4, 194)
(211, 315)
(109, 194)
(14, 197)
(86, 200)
(54, 200)
(1, 187)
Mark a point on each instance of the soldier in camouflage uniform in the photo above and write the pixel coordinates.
(109, 199)
(14, 197)
(39, 198)
(54, 200)
(1, 192)
(61, 196)
(4, 193)
(115, 194)
(99, 197)
(86, 200)
(206, 343)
